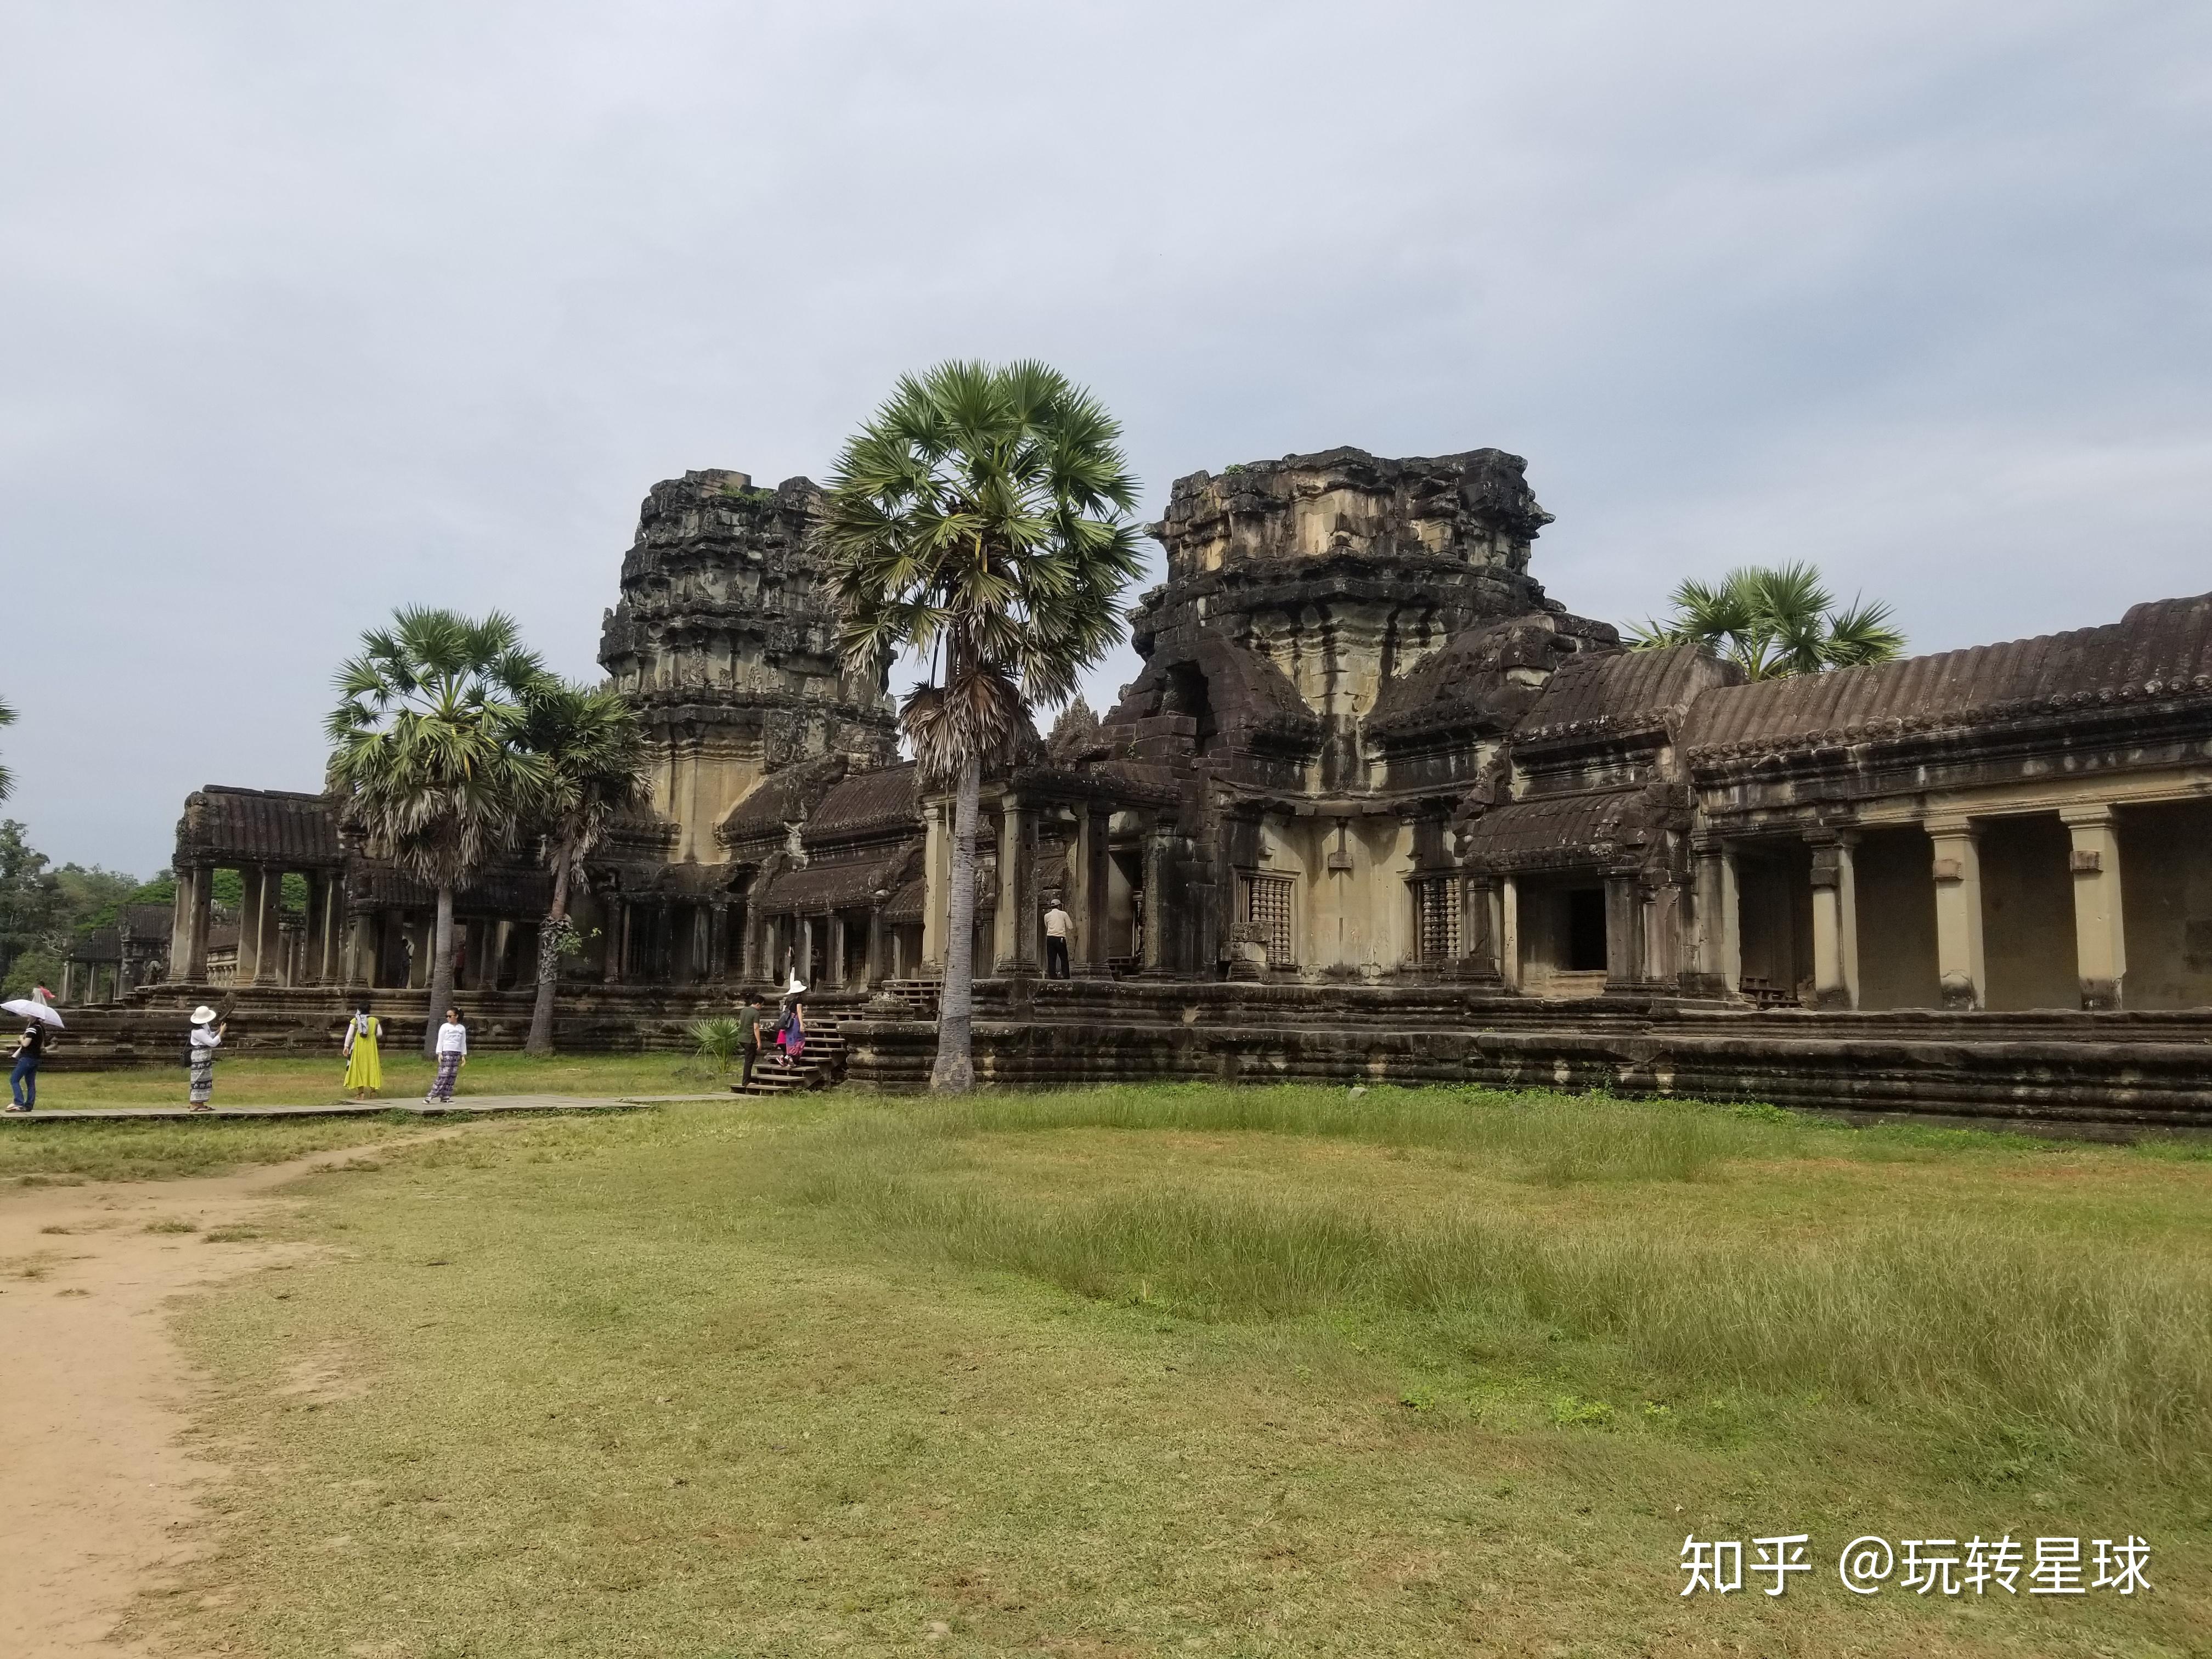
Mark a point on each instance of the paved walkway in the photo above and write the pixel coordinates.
(466, 1106)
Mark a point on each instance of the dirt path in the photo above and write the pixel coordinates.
(97, 1497)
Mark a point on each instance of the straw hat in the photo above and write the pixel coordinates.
(202, 1015)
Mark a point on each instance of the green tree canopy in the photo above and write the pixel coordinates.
(426, 747)
(979, 521)
(1772, 622)
(589, 742)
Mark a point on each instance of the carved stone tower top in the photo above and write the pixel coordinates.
(725, 638)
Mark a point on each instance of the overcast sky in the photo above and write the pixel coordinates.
(306, 311)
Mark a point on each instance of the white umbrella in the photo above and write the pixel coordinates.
(30, 1010)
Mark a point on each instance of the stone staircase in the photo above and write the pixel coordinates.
(821, 1064)
(920, 996)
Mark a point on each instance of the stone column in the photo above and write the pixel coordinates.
(502, 935)
(1159, 842)
(877, 963)
(188, 944)
(617, 936)
(253, 879)
(1835, 922)
(937, 883)
(1016, 920)
(360, 951)
(1509, 932)
(1959, 964)
(750, 946)
(1094, 859)
(334, 944)
(1478, 927)
(835, 961)
(1623, 933)
(718, 942)
(2100, 945)
(180, 921)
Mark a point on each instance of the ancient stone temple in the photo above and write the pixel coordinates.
(1375, 805)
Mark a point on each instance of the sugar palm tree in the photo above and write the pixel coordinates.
(1773, 622)
(426, 746)
(593, 751)
(979, 522)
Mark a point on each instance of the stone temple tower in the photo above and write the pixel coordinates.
(725, 637)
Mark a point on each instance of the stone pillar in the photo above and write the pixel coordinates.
(877, 964)
(2100, 945)
(750, 945)
(253, 878)
(718, 942)
(1835, 922)
(937, 882)
(1016, 920)
(502, 935)
(1478, 926)
(1959, 964)
(1159, 842)
(617, 940)
(360, 951)
(1623, 933)
(1094, 871)
(335, 927)
(188, 943)
(1509, 932)
(1730, 920)
(68, 982)
(835, 962)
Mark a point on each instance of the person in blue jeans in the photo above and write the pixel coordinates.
(24, 1081)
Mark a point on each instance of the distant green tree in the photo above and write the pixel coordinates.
(979, 521)
(592, 748)
(1773, 623)
(426, 746)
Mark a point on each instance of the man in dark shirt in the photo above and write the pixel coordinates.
(749, 1040)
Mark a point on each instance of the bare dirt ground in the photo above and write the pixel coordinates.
(99, 1499)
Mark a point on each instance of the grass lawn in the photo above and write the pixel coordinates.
(278, 1080)
(1181, 1370)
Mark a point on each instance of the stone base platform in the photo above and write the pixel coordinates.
(2132, 1071)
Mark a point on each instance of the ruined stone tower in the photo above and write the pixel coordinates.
(725, 637)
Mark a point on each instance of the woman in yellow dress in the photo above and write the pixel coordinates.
(364, 1072)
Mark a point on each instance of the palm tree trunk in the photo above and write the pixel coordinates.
(954, 1071)
(549, 961)
(441, 972)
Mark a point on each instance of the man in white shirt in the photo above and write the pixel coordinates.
(1057, 926)
(452, 1055)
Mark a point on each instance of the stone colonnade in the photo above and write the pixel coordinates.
(271, 950)
(1960, 904)
(1015, 949)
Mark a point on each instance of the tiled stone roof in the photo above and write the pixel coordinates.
(881, 800)
(2160, 651)
(1613, 694)
(1589, 827)
(224, 825)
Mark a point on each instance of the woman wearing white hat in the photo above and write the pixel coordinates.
(206, 1038)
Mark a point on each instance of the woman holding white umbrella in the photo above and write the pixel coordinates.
(30, 1049)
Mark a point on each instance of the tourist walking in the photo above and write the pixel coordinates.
(206, 1038)
(452, 1055)
(364, 1072)
(1057, 926)
(791, 1031)
(749, 1039)
(23, 1079)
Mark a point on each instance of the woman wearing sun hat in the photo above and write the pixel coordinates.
(206, 1038)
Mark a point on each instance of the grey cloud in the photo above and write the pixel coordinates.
(304, 313)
